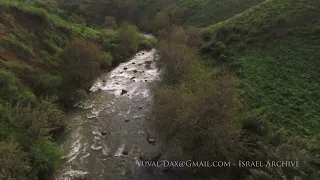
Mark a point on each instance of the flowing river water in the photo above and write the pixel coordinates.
(110, 131)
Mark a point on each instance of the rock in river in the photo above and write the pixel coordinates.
(125, 153)
(103, 133)
(152, 140)
(123, 92)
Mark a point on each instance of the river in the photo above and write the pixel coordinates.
(109, 132)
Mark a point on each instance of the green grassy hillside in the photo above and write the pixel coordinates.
(206, 12)
(274, 50)
(277, 46)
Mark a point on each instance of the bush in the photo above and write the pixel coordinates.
(249, 40)
(51, 47)
(28, 97)
(206, 34)
(80, 66)
(14, 162)
(178, 36)
(12, 91)
(203, 118)
(253, 32)
(9, 89)
(106, 45)
(128, 37)
(223, 58)
(48, 85)
(316, 30)
(106, 61)
(242, 46)
(161, 20)
(193, 34)
(110, 22)
(81, 94)
(40, 120)
(46, 158)
(235, 37)
(145, 44)
(17, 46)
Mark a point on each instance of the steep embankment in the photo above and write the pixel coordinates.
(274, 50)
(277, 46)
(45, 59)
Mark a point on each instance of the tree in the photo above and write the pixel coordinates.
(161, 20)
(194, 107)
(110, 22)
(14, 163)
(48, 85)
(80, 65)
(11, 90)
(128, 37)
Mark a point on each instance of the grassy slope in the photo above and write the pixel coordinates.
(32, 39)
(207, 12)
(280, 69)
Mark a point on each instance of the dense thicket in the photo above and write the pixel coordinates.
(203, 118)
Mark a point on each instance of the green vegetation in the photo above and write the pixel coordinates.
(203, 120)
(244, 88)
(47, 61)
(206, 12)
(80, 65)
(272, 49)
(277, 56)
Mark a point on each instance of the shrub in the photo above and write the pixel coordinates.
(8, 86)
(48, 85)
(106, 61)
(249, 40)
(145, 44)
(17, 46)
(46, 158)
(206, 34)
(242, 46)
(193, 34)
(28, 97)
(316, 30)
(161, 20)
(80, 66)
(110, 22)
(81, 94)
(40, 120)
(178, 36)
(235, 37)
(106, 45)
(223, 58)
(14, 162)
(253, 32)
(128, 37)
(51, 47)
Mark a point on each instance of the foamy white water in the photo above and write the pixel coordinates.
(107, 132)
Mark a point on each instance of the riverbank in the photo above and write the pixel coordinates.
(110, 132)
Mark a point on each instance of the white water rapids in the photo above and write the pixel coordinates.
(107, 133)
